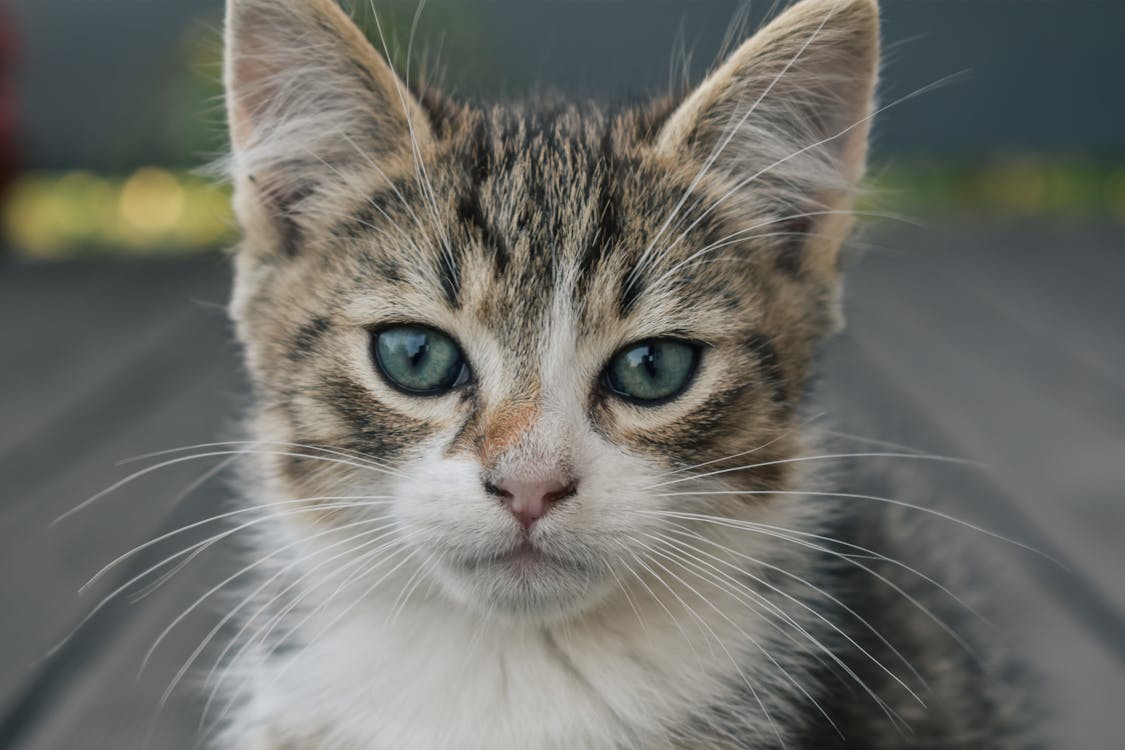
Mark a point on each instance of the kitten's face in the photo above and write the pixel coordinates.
(542, 327)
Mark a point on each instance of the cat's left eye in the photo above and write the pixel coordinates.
(653, 371)
(419, 360)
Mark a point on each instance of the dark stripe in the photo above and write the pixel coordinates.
(632, 286)
(449, 277)
(375, 430)
(479, 167)
(307, 338)
(764, 350)
(791, 255)
(472, 216)
(607, 226)
(282, 201)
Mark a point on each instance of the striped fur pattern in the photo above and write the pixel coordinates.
(684, 596)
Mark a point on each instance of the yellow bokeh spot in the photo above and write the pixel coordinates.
(152, 201)
(1115, 194)
(1016, 185)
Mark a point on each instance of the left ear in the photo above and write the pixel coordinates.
(787, 116)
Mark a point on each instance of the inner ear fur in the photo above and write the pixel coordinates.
(786, 118)
(309, 102)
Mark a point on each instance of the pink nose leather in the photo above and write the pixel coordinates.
(530, 500)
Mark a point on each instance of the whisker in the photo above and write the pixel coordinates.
(231, 613)
(873, 441)
(238, 574)
(742, 631)
(803, 605)
(888, 500)
(733, 661)
(716, 152)
(794, 537)
(419, 163)
(194, 549)
(241, 511)
(408, 589)
(195, 457)
(263, 633)
(824, 457)
(862, 121)
(624, 590)
(680, 529)
(787, 432)
(366, 593)
(660, 602)
(341, 452)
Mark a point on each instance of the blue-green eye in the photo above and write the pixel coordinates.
(652, 371)
(418, 360)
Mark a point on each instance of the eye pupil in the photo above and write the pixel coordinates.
(418, 360)
(421, 349)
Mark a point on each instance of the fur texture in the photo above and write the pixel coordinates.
(688, 594)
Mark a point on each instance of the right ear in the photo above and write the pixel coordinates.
(309, 102)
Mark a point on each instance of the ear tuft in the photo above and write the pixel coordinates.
(307, 96)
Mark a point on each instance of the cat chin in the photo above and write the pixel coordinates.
(519, 589)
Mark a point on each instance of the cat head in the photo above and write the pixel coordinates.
(536, 337)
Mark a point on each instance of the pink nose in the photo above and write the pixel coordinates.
(530, 500)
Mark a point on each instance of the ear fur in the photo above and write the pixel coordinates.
(305, 91)
(791, 109)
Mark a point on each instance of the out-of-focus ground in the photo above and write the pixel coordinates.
(952, 347)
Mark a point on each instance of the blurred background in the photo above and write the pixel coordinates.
(107, 106)
(986, 320)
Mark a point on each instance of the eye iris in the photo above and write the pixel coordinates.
(653, 370)
(419, 360)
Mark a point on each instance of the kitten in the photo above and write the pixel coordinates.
(529, 390)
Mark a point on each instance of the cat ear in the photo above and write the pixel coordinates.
(309, 101)
(786, 117)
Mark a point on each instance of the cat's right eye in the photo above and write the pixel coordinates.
(419, 360)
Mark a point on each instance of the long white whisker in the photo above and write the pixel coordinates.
(193, 549)
(238, 574)
(715, 637)
(321, 505)
(625, 590)
(231, 613)
(681, 530)
(888, 500)
(366, 593)
(795, 537)
(803, 605)
(211, 454)
(787, 432)
(660, 602)
(263, 633)
(396, 548)
(824, 457)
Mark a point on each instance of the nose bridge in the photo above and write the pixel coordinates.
(525, 440)
(526, 435)
(505, 427)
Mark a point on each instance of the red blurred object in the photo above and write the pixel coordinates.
(9, 110)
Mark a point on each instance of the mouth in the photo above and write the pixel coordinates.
(525, 559)
(527, 579)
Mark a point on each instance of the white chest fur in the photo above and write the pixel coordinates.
(436, 676)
